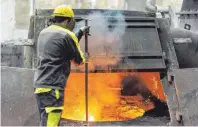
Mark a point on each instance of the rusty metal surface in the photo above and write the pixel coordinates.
(187, 91)
(18, 105)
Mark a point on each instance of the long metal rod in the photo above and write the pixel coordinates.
(32, 7)
(86, 75)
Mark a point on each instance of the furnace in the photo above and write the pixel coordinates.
(125, 68)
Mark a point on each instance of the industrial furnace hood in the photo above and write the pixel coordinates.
(137, 47)
(129, 39)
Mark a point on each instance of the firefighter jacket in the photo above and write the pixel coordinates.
(56, 48)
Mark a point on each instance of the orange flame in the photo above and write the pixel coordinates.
(105, 100)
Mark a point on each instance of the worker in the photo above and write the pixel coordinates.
(57, 47)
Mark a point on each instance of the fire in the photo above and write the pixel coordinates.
(91, 118)
(105, 100)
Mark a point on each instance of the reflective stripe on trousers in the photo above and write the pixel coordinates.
(50, 113)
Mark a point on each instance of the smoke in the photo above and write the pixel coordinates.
(107, 30)
(101, 34)
(174, 18)
(134, 85)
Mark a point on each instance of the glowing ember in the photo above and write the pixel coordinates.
(91, 118)
(105, 100)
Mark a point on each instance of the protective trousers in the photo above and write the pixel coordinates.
(50, 104)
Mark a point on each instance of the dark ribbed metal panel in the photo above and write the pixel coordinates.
(189, 5)
(136, 36)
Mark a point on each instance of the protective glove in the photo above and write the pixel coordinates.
(85, 30)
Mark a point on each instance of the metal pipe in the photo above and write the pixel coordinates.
(187, 53)
(179, 32)
(32, 7)
(86, 75)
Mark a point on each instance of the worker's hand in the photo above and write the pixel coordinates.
(87, 56)
(85, 30)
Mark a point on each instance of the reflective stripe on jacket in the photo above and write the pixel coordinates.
(56, 47)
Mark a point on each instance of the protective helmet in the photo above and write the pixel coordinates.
(63, 11)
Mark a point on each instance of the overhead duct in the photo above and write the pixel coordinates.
(187, 51)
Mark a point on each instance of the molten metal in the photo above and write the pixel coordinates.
(105, 100)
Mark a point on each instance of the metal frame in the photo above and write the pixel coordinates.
(86, 76)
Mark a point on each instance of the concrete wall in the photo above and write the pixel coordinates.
(21, 16)
(18, 104)
(14, 19)
(7, 19)
(11, 55)
(14, 25)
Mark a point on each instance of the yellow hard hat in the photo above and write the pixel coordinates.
(63, 11)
